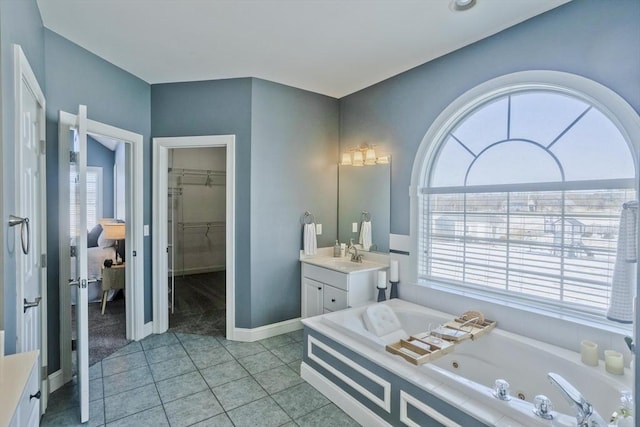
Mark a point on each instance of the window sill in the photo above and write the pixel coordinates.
(532, 307)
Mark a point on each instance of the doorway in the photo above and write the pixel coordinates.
(106, 246)
(183, 236)
(122, 216)
(196, 240)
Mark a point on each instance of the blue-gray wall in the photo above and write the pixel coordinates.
(100, 156)
(75, 76)
(221, 107)
(294, 154)
(286, 151)
(597, 39)
(20, 23)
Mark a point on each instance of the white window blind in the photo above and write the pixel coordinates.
(94, 199)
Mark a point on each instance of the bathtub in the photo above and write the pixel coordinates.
(349, 365)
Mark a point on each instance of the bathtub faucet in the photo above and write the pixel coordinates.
(585, 415)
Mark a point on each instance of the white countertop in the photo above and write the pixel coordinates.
(343, 264)
(14, 373)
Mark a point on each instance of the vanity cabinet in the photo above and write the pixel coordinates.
(325, 290)
(19, 390)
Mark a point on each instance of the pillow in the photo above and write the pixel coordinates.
(93, 235)
(381, 320)
(105, 243)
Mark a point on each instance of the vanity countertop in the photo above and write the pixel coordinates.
(14, 373)
(343, 264)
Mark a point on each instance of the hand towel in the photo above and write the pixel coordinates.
(310, 242)
(624, 270)
(365, 235)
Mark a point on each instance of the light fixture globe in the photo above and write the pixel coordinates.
(459, 5)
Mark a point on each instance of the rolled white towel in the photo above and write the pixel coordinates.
(624, 270)
(310, 242)
(365, 235)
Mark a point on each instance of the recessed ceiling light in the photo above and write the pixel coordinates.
(462, 4)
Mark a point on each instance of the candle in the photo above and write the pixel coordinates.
(382, 280)
(613, 362)
(393, 271)
(589, 353)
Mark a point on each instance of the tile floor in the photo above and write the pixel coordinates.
(179, 379)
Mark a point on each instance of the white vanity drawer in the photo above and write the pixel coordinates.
(29, 404)
(325, 275)
(334, 299)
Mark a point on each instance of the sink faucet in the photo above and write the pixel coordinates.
(585, 415)
(355, 257)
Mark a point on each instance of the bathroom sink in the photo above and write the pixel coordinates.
(343, 264)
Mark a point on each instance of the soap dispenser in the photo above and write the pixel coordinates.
(336, 249)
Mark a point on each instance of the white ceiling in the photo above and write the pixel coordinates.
(333, 47)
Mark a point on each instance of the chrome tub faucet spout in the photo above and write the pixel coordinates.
(585, 415)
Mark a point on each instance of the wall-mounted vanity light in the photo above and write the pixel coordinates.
(364, 155)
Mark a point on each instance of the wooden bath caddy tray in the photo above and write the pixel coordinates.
(427, 346)
(472, 330)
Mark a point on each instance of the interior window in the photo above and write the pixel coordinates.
(523, 196)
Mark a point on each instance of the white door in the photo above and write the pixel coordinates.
(29, 220)
(78, 192)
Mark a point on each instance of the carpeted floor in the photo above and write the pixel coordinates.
(200, 309)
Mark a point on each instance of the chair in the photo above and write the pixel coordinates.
(112, 278)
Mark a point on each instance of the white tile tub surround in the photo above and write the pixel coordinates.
(499, 354)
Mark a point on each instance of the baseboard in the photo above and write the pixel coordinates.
(147, 330)
(267, 331)
(340, 398)
(56, 380)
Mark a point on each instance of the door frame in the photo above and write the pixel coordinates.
(23, 72)
(134, 233)
(161, 147)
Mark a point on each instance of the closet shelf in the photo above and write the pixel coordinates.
(195, 224)
(198, 177)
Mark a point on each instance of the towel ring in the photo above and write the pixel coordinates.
(308, 218)
(366, 216)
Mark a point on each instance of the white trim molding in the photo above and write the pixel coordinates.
(406, 399)
(340, 398)
(384, 403)
(134, 232)
(56, 380)
(267, 331)
(161, 147)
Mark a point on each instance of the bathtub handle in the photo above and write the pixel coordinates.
(501, 390)
(543, 407)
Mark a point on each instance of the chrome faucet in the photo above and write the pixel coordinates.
(585, 415)
(355, 257)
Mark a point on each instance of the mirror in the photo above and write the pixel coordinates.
(365, 189)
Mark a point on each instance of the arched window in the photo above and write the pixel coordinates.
(521, 193)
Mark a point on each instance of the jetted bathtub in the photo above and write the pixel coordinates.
(350, 365)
